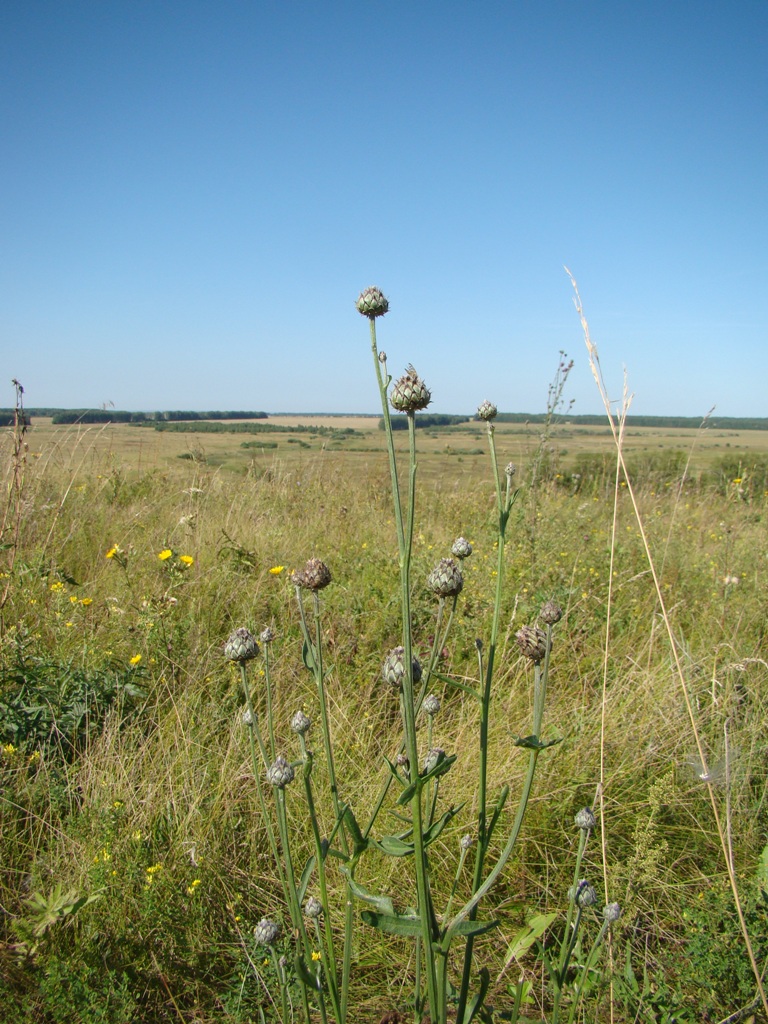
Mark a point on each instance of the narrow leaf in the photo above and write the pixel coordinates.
(392, 924)
(382, 903)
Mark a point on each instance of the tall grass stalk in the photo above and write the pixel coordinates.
(616, 426)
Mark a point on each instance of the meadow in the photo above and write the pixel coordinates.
(134, 856)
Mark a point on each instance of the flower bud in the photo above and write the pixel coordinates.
(446, 580)
(583, 894)
(241, 646)
(266, 932)
(409, 393)
(372, 303)
(300, 723)
(466, 842)
(611, 912)
(461, 548)
(487, 411)
(280, 773)
(510, 469)
(434, 756)
(532, 641)
(585, 819)
(313, 908)
(551, 613)
(314, 576)
(393, 669)
(431, 705)
(267, 635)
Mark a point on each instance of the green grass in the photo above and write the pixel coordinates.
(113, 764)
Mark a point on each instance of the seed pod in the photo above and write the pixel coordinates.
(266, 932)
(461, 548)
(487, 411)
(241, 646)
(314, 576)
(300, 723)
(446, 580)
(409, 393)
(372, 303)
(393, 669)
(585, 819)
(551, 613)
(532, 641)
(280, 773)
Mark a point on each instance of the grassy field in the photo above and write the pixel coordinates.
(130, 555)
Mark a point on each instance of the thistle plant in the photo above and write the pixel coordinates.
(445, 926)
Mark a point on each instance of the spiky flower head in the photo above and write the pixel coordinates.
(393, 669)
(431, 705)
(433, 758)
(550, 613)
(585, 819)
(267, 635)
(461, 548)
(314, 576)
(532, 641)
(612, 912)
(409, 392)
(583, 894)
(241, 645)
(266, 932)
(300, 723)
(510, 469)
(446, 580)
(280, 773)
(372, 303)
(487, 411)
(313, 908)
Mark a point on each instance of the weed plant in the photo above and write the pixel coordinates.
(136, 860)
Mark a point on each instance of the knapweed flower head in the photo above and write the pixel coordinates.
(267, 635)
(431, 705)
(532, 641)
(372, 303)
(551, 613)
(280, 773)
(313, 908)
(487, 411)
(409, 392)
(583, 894)
(314, 576)
(266, 932)
(510, 469)
(393, 669)
(612, 912)
(247, 717)
(466, 842)
(241, 645)
(461, 548)
(446, 580)
(585, 819)
(300, 723)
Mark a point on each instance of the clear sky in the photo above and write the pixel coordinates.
(192, 195)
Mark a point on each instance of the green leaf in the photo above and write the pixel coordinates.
(437, 827)
(306, 874)
(467, 928)
(528, 935)
(359, 841)
(382, 903)
(393, 924)
(762, 868)
(534, 743)
(308, 657)
(472, 1009)
(309, 979)
(394, 847)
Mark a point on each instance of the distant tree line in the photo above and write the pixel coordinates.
(688, 422)
(256, 428)
(150, 418)
(422, 420)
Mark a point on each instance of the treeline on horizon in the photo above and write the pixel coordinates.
(399, 422)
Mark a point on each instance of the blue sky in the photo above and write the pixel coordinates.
(192, 194)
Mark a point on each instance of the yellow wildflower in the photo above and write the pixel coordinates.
(72, 599)
(135, 659)
(86, 601)
(277, 569)
(187, 559)
(316, 956)
(114, 550)
(165, 554)
(57, 587)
